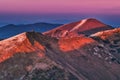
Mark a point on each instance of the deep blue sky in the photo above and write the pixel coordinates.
(5, 19)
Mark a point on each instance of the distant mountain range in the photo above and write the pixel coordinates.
(11, 29)
(83, 50)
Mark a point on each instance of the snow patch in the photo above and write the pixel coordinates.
(80, 24)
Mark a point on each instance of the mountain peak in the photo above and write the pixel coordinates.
(86, 26)
(26, 42)
(89, 19)
(80, 24)
(87, 22)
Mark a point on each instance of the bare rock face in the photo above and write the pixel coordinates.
(34, 56)
(83, 27)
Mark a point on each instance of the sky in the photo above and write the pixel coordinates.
(58, 11)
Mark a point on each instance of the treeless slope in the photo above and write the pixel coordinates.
(85, 58)
(22, 57)
(66, 44)
(86, 26)
(21, 43)
(108, 33)
(111, 40)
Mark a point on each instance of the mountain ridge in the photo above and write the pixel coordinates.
(12, 29)
(85, 26)
(20, 43)
(36, 56)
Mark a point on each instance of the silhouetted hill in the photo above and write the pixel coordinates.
(11, 29)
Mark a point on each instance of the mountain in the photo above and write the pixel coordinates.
(25, 59)
(11, 29)
(111, 40)
(34, 56)
(86, 26)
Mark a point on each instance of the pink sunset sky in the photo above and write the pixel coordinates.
(60, 6)
(58, 11)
